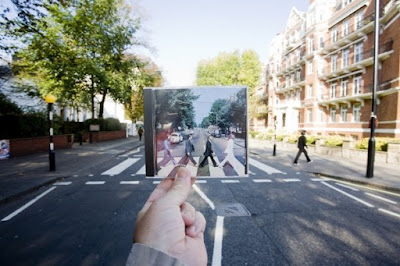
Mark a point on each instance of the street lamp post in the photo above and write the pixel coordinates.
(371, 142)
(274, 150)
(50, 99)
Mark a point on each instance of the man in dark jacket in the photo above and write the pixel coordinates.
(302, 144)
(189, 148)
(208, 153)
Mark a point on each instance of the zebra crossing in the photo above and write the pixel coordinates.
(123, 168)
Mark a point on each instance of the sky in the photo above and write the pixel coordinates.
(184, 32)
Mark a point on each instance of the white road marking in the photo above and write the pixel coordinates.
(389, 212)
(156, 182)
(119, 168)
(95, 182)
(297, 173)
(230, 181)
(90, 175)
(201, 182)
(133, 174)
(291, 180)
(129, 182)
(204, 196)
(264, 167)
(138, 155)
(262, 181)
(62, 183)
(192, 168)
(166, 170)
(75, 175)
(219, 233)
(142, 170)
(215, 171)
(378, 197)
(9, 217)
(354, 189)
(348, 195)
(319, 179)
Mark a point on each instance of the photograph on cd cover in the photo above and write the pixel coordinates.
(201, 128)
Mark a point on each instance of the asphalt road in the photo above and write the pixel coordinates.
(284, 217)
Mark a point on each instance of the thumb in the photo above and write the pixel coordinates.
(180, 189)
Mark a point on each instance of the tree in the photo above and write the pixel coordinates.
(147, 74)
(77, 51)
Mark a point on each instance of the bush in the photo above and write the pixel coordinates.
(24, 126)
(381, 144)
(280, 137)
(292, 139)
(334, 141)
(253, 134)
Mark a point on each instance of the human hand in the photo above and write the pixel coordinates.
(171, 225)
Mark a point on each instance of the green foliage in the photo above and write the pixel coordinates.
(311, 140)
(334, 141)
(293, 139)
(253, 134)
(280, 137)
(381, 144)
(24, 126)
(7, 106)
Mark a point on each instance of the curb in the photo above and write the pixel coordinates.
(359, 182)
(47, 183)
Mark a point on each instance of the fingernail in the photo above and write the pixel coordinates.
(193, 229)
(188, 214)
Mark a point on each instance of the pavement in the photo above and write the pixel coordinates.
(22, 175)
(385, 176)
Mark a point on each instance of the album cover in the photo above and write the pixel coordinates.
(201, 128)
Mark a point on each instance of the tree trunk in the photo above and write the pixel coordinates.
(92, 96)
(103, 99)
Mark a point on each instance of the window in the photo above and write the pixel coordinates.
(346, 27)
(287, 82)
(298, 55)
(298, 76)
(309, 91)
(335, 34)
(359, 20)
(343, 113)
(321, 41)
(310, 45)
(357, 85)
(291, 59)
(332, 92)
(345, 57)
(310, 68)
(334, 63)
(357, 113)
(309, 116)
(343, 88)
(358, 52)
(320, 117)
(332, 115)
(346, 2)
(320, 93)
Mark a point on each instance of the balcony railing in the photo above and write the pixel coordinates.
(353, 61)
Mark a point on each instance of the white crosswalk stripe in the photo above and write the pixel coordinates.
(264, 167)
(119, 168)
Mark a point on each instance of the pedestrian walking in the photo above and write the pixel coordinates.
(140, 132)
(208, 153)
(189, 148)
(167, 153)
(302, 144)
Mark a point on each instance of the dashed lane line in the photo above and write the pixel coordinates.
(62, 183)
(348, 195)
(95, 182)
(390, 213)
(129, 182)
(262, 180)
(381, 198)
(291, 180)
(9, 217)
(230, 181)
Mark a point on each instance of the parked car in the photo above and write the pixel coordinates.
(176, 138)
(216, 133)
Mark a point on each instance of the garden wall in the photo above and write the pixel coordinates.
(103, 135)
(25, 146)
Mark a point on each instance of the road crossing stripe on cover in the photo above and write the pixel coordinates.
(215, 171)
(167, 169)
(264, 167)
(119, 168)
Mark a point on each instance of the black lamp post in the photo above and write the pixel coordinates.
(371, 142)
(50, 99)
(274, 149)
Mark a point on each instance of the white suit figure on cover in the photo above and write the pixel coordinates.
(230, 157)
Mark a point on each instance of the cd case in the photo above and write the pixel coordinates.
(204, 129)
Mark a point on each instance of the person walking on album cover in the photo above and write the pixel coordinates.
(208, 153)
(230, 157)
(167, 153)
(189, 148)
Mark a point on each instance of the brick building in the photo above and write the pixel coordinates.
(319, 76)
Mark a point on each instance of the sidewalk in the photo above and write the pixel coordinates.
(386, 176)
(22, 175)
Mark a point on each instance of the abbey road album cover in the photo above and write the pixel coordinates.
(201, 128)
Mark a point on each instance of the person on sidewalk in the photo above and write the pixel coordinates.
(169, 230)
(208, 153)
(140, 132)
(302, 144)
(189, 148)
